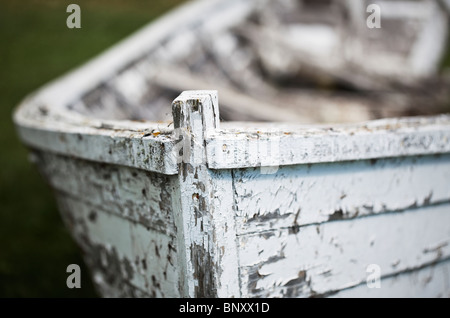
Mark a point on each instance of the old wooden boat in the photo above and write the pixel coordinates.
(327, 172)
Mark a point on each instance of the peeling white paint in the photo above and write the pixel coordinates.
(215, 226)
(428, 282)
(307, 194)
(334, 255)
(204, 214)
(145, 261)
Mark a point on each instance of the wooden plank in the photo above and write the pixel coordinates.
(297, 195)
(430, 282)
(328, 257)
(239, 148)
(148, 149)
(136, 195)
(203, 215)
(126, 259)
(153, 148)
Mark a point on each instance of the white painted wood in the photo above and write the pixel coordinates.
(127, 259)
(237, 148)
(302, 224)
(204, 216)
(279, 247)
(430, 282)
(310, 194)
(310, 144)
(135, 195)
(320, 259)
(149, 149)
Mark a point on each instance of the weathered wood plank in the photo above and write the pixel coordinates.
(430, 282)
(332, 256)
(136, 195)
(148, 149)
(126, 259)
(203, 216)
(306, 194)
(238, 148)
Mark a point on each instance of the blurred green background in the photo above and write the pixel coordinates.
(35, 47)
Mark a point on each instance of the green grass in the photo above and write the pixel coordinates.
(36, 47)
(445, 63)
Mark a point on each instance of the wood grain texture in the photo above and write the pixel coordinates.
(146, 148)
(126, 259)
(325, 258)
(429, 282)
(289, 145)
(122, 219)
(204, 216)
(251, 209)
(137, 195)
(308, 194)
